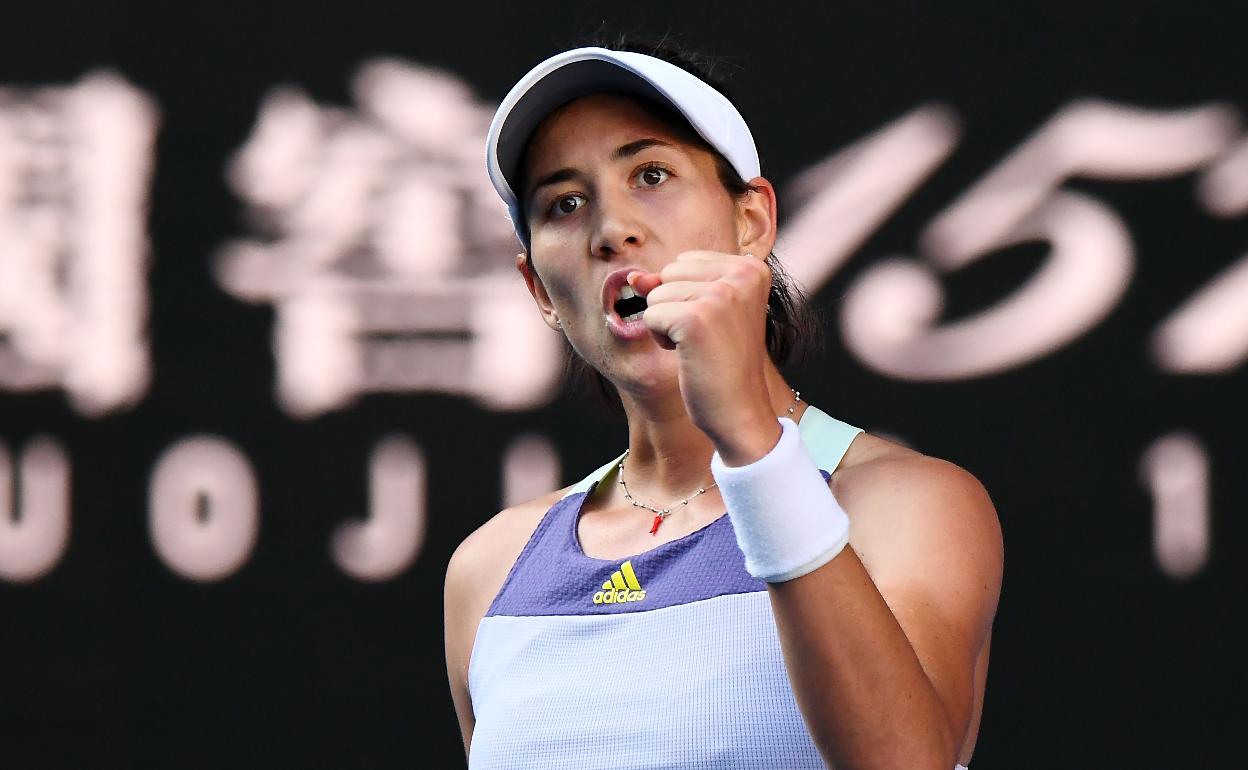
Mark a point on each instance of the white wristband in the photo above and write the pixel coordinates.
(786, 519)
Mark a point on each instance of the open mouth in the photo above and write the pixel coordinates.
(629, 305)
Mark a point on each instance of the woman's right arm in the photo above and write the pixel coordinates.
(459, 609)
(474, 577)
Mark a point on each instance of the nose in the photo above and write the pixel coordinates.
(617, 226)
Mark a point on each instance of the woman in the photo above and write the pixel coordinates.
(605, 625)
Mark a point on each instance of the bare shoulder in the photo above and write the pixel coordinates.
(480, 564)
(883, 476)
(473, 577)
(476, 573)
(903, 503)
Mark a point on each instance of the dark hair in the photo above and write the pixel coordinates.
(792, 330)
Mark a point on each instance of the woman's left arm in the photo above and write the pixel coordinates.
(881, 642)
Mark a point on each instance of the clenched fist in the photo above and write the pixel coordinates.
(711, 308)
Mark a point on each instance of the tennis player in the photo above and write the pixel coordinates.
(838, 614)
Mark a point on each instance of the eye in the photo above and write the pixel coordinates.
(566, 204)
(653, 176)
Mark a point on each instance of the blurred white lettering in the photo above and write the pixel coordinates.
(203, 508)
(1209, 332)
(1224, 187)
(843, 199)
(74, 170)
(530, 469)
(1175, 470)
(34, 510)
(891, 315)
(385, 249)
(387, 543)
(1094, 140)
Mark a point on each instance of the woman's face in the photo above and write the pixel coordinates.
(612, 189)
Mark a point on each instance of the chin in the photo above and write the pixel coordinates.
(653, 370)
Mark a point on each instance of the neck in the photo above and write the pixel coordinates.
(667, 454)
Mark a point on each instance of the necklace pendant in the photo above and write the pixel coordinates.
(657, 521)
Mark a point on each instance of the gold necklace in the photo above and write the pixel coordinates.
(662, 513)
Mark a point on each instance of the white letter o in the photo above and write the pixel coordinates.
(202, 513)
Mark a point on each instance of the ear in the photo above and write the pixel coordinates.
(538, 290)
(757, 218)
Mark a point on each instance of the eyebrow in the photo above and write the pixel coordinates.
(632, 148)
(619, 153)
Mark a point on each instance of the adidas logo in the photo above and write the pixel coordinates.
(622, 587)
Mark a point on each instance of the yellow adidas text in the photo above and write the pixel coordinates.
(618, 596)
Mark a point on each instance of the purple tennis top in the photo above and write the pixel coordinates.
(666, 659)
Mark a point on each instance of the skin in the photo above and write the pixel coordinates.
(886, 644)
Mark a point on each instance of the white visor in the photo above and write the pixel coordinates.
(583, 71)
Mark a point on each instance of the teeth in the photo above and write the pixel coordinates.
(623, 295)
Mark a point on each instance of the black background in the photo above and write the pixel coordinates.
(1099, 658)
